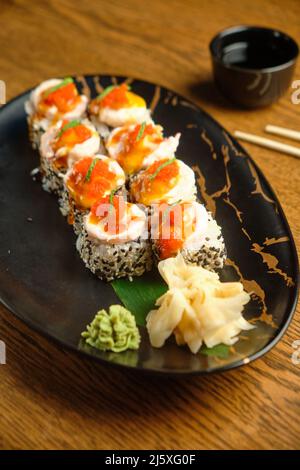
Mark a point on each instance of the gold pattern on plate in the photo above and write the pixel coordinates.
(258, 187)
(246, 233)
(191, 126)
(226, 159)
(272, 262)
(155, 98)
(236, 152)
(189, 105)
(174, 101)
(238, 213)
(208, 141)
(98, 87)
(167, 97)
(234, 351)
(208, 199)
(227, 200)
(129, 81)
(272, 241)
(253, 288)
(85, 88)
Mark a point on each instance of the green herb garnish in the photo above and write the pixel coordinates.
(111, 196)
(90, 170)
(141, 131)
(66, 81)
(105, 92)
(163, 165)
(111, 199)
(220, 350)
(69, 125)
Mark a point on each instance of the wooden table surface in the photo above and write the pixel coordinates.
(51, 398)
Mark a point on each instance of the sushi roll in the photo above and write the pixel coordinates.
(86, 182)
(52, 100)
(117, 106)
(114, 241)
(139, 145)
(189, 229)
(63, 144)
(167, 180)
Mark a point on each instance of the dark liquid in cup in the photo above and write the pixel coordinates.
(253, 56)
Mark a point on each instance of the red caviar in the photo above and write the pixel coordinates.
(100, 183)
(64, 98)
(116, 98)
(72, 136)
(132, 135)
(168, 248)
(156, 181)
(173, 230)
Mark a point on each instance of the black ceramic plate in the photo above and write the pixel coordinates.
(44, 283)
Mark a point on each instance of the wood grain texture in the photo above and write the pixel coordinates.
(51, 398)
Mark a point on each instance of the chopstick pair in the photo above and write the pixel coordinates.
(273, 144)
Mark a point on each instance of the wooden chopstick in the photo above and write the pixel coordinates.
(283, 131)
(268, 143)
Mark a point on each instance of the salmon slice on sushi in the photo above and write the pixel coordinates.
(137, 146)
(51, 101)
(188, 228)
(114, 241)
(117, 106)
(61, 146)
(86, 182)
(167, 180)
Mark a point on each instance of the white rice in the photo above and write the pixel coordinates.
(52, 178)
(110, 262)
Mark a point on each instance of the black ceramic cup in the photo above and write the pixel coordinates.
(253, 66)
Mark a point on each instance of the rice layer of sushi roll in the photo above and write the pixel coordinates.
(52, 100)
(61, 146)
(114, 241)
(191, 230)
(168, 180)
(117, 106)
(86, 182)
(137, 146)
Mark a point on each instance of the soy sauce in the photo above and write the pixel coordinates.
(253, 56)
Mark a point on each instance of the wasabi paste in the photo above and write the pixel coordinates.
(114, 331)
